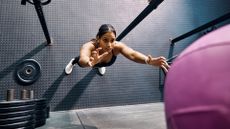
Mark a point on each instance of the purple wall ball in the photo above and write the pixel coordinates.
(197, 86)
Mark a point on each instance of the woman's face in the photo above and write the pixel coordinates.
(107, 41)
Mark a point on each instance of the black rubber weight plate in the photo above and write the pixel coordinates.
(32, 126)
(17, 125)
(16, 114)
(40, 101)
(17, 103)
(40, 123)
(40, 104)
(27, 72)
(16, 109)
(16, 119)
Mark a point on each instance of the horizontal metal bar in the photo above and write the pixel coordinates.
(203, 27)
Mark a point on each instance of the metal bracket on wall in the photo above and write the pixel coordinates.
(38, 7)
(173, 41)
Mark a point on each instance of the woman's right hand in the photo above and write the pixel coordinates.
(95, 57)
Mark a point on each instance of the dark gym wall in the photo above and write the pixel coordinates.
(72, 23)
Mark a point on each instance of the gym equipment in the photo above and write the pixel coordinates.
(24, 95)
(38, 6)
(15, 119)
(27, 72)
(16, 108)
(25, 113)
(40, 112)
(15, 103)
(43, 2)
(197, 84)
(10, 95)
(210, 25)
(17, 114)
(196, 30)
(153, 4)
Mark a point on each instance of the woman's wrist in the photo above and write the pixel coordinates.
(147, 60)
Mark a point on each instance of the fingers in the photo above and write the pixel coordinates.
(90, 64)
(164, 65)
(91, 60)
(163, 58)
(164, 68)
(94, 54)
(167, 65)
(159, 61)
(103, 55)
(96, 57)
(98, 49)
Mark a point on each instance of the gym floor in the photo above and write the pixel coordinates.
(141, 116)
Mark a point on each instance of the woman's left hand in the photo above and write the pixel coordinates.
(158, 61)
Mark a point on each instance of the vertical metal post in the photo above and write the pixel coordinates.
(38, 8)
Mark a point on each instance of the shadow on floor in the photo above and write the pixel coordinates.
(75, 93)
(50, 92)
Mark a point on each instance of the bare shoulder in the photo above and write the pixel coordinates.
(88, 45)
(119, 45)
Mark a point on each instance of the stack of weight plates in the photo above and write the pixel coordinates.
(40, 112)
(17, 114)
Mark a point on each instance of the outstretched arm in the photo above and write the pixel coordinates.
(85, 53)
(141, 58)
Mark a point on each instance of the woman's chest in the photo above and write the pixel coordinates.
(107, 58)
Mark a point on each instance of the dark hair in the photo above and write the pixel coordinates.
(104, 29)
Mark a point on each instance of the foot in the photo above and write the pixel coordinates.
(69, 67)
(102, 70)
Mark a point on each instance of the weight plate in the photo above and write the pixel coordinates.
(40, 104)
(16, 114)
(16, 109)
(27, 72)
(40, 107)
(17, 125)
(41, 100)
(16, 103)
(40, 123)
(16, 119)
(32, 126)
(48, 112)
(40, 118)
(40, 114)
